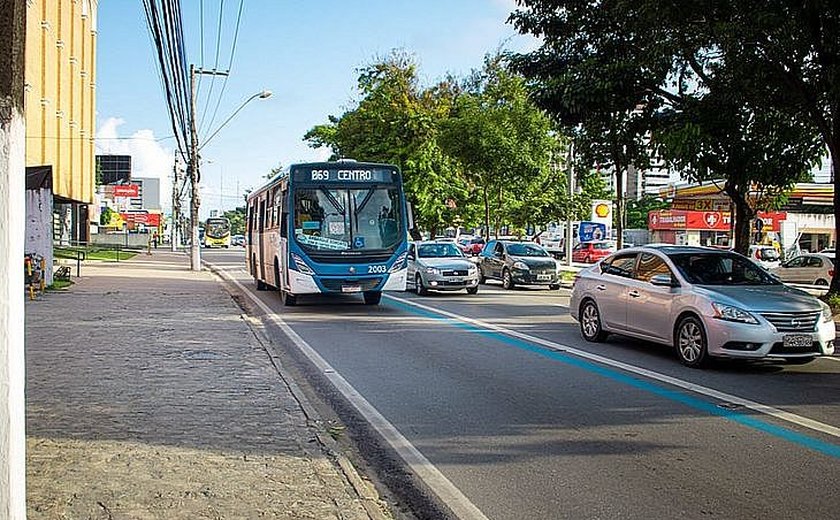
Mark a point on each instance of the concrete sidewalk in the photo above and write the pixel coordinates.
(150, 396)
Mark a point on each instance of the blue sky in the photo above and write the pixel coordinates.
(306, 52)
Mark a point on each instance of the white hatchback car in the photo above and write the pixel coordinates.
(703, 301)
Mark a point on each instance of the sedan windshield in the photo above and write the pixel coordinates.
(715, 268)
(445, 250)
(526, 250)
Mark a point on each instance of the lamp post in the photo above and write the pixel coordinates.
(192, 166)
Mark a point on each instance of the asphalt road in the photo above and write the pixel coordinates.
(512, 415)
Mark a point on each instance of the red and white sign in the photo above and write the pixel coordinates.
(675, 219)
(147, 219)
(125, 190)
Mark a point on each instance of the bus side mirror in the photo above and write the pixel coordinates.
(412, 228)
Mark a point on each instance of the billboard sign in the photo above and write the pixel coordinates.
(590, 231)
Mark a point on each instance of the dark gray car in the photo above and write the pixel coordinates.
(518, 263)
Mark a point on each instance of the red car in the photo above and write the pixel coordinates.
(472, 245)
(591, 252)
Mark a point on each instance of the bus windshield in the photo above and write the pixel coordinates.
(217, 227)
(359, 218)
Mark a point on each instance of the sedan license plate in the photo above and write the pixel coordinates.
(351, 288)
(455, 279)
(543, 277)
(797, 340)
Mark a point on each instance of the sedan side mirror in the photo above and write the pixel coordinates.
(663, 280)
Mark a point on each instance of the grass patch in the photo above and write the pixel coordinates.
(59, 285)
(108, 255)
(93, 253)
(833, 301)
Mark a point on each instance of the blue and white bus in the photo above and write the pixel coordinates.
(333, 227)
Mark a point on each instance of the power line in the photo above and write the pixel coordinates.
(215, 65)
(229, 67)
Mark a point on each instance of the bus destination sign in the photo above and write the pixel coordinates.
(344, 175)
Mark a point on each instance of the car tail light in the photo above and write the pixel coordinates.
(831, 273)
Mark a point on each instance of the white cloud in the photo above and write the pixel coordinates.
(149, 159)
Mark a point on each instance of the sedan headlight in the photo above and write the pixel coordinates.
(432, 270)
(472, 269)
(520, 265)
(827, 315)
(730, 313)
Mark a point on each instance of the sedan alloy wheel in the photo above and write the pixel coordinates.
(590, 322)
(691, 344)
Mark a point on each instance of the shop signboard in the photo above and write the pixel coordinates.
(125, 190)
(706, 220)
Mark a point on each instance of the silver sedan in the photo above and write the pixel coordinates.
(705, 302)
(440, 266)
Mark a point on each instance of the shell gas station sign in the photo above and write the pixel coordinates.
(602, 212)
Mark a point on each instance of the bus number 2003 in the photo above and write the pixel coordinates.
(377, 269)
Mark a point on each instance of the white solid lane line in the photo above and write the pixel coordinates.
(446, 491)
(650, 374)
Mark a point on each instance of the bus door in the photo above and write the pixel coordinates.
(283, 240)
(261, 239)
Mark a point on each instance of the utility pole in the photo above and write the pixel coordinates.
(567, 246)
(174, 235)
(12, 215)
(193, 167)
(192, 171)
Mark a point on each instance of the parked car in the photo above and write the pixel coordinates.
(765, 256)
(471, 245)
(440, 266)
(523, 263)
(591, 252)
(815, 268)
(703, 301)
(553, 243)
(238, 240)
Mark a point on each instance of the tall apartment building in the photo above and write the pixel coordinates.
(60, 106)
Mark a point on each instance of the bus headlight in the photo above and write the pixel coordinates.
(399, 263)
(301, 265)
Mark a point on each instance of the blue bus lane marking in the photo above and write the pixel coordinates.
(786, 434)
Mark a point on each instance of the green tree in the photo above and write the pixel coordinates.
(237, 220)
(502, 140)
(396, 121)
(637, 210)
(685, 66)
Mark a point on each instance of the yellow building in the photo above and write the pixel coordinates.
(60, 105)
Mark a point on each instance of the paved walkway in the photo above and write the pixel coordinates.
(149, 396)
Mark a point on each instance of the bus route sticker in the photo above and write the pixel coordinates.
(323, 242)
(358, 242)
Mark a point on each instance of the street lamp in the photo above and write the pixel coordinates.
(193, 167)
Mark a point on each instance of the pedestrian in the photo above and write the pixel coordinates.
(155, 239)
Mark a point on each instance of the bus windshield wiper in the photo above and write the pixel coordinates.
(368, 196)
(333, 200)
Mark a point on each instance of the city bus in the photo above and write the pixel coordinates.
(217, 232)
(331, 227)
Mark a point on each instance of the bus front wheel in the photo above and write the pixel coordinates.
(372, 297)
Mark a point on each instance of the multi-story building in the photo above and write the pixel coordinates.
(60, 106)
(113, 169)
